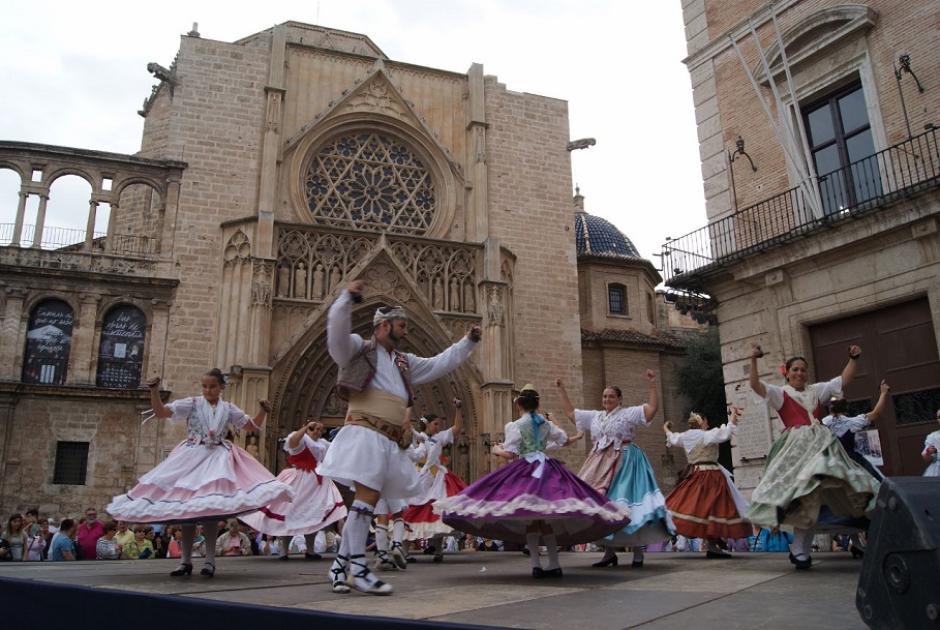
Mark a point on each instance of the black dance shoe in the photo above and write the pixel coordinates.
(283, 558)
(539, 573)
(606, 562)
(181, 570)
(312, 556)
(208, 570)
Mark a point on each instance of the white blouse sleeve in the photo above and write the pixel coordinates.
(181, 408)
(720, 434)
(417, 451)
(632, 416)
(826, 390)
(238, 418)
(858, 423)
(445, 437)
(774, 395)
(512, 438)
(316, 446)
(674, 438)
(556, 436)
(297, 449)
(583, 419)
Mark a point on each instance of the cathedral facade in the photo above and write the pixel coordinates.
(272, 171)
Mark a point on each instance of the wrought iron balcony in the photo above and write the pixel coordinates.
(899, 171)
(74, 240)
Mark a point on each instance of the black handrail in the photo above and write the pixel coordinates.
(898, 171)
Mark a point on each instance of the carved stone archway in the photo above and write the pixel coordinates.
(305, 378)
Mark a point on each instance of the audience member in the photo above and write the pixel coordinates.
(15, 537)
(140, 548)
(107, 547)
(88, 534)
(63, 545)
(234, 542)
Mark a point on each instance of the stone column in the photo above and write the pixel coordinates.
(478, 203)
(18, 222)
(40, 221)
(10, 340)
(81, 357)
(167, 232)
(109, 245)
(156, 345)
(90, 225)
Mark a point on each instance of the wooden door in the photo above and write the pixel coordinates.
(899, 345)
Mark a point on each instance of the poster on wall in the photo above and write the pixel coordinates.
(48, 341)
(121, 353)
(868, 443)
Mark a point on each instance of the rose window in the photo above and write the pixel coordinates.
(370, 181)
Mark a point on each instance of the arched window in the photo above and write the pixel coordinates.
(121, 353)
(617, 299)
(370, 180)
(48, 341)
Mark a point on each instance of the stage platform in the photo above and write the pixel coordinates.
(495, 589)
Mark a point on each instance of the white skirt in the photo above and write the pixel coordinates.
(365, 457)
(315, 505)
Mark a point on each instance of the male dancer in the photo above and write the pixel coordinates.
(368, 454)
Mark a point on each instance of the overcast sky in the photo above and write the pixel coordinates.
(74, 74)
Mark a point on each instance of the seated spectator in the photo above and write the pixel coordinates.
(140, 548)
(234, 542)
(107, 547)
(63, 545)
(15, 537)
(88, 534)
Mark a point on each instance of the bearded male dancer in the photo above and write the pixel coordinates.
(368, 454)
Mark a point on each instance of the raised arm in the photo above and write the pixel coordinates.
(340, 341)
(652, 404)
(426, 369)
(879, 409)
(566, 405)
(156, 403)
(671, 438)
(753, 378)
(264, 408)
(458, 418)
(848, 372)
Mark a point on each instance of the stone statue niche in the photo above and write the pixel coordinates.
(300, 281)
(283, 280)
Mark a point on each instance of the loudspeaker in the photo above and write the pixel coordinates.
(900, 582)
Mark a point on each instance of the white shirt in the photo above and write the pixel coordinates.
(435, 447)
(840, 425)
(343, 345)
(811, 396)
(693, 437)
(614, 428)
(317, 447)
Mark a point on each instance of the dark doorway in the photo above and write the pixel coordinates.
(898, 344)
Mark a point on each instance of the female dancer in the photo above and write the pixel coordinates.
(807, 468)
(436, 483)
(618, 468)
(535, 497)
(206, 477)
(931, 448)
(705, 503)
(317, 502)
(845, 427)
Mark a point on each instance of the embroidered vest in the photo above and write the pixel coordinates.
(703, 453)
(359, 372)
(304, 460)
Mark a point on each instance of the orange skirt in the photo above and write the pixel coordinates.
(702, 506)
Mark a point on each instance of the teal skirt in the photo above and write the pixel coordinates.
(635, 487)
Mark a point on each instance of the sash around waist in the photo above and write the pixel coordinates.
(374, 403)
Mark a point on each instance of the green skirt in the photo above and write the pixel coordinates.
(807, 468)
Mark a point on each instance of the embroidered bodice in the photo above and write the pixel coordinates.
(522, 436)
(702, 446)
(205, 424)
(307, 453)
(435, 447)
(800, 408)
(614, 428)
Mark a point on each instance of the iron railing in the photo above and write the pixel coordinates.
(898, 171)
(73, 240)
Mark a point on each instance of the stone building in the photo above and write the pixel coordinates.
(822, 227)
(273, 170)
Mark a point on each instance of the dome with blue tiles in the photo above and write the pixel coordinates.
(595, 236)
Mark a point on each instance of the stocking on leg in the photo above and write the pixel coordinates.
(532, 544)
(382, 561)
(356, 533)
(211, 531)
(339, 579)
(284, 545)
(551, 545)
(186, 555)
(638, 556)
(397, 551)
(801, 546)
(311, 542)
(438, 542)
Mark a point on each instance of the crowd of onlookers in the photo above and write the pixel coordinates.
(29, 537)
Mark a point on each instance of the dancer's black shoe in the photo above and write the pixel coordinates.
(183, 569)
(208, 569)
(606, 562)
(539, 573)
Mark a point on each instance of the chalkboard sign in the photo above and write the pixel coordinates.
(48, 341)
(121, 353)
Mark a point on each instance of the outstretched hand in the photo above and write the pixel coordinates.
(650, 375)
(265, 405)
(756, 352)
(153, 381)
(855, 351)
(885, 388)
(475, 333)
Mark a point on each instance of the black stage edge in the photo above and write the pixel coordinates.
(29, 604)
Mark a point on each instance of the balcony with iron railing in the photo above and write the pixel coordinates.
(900, 171)
(77, 240)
